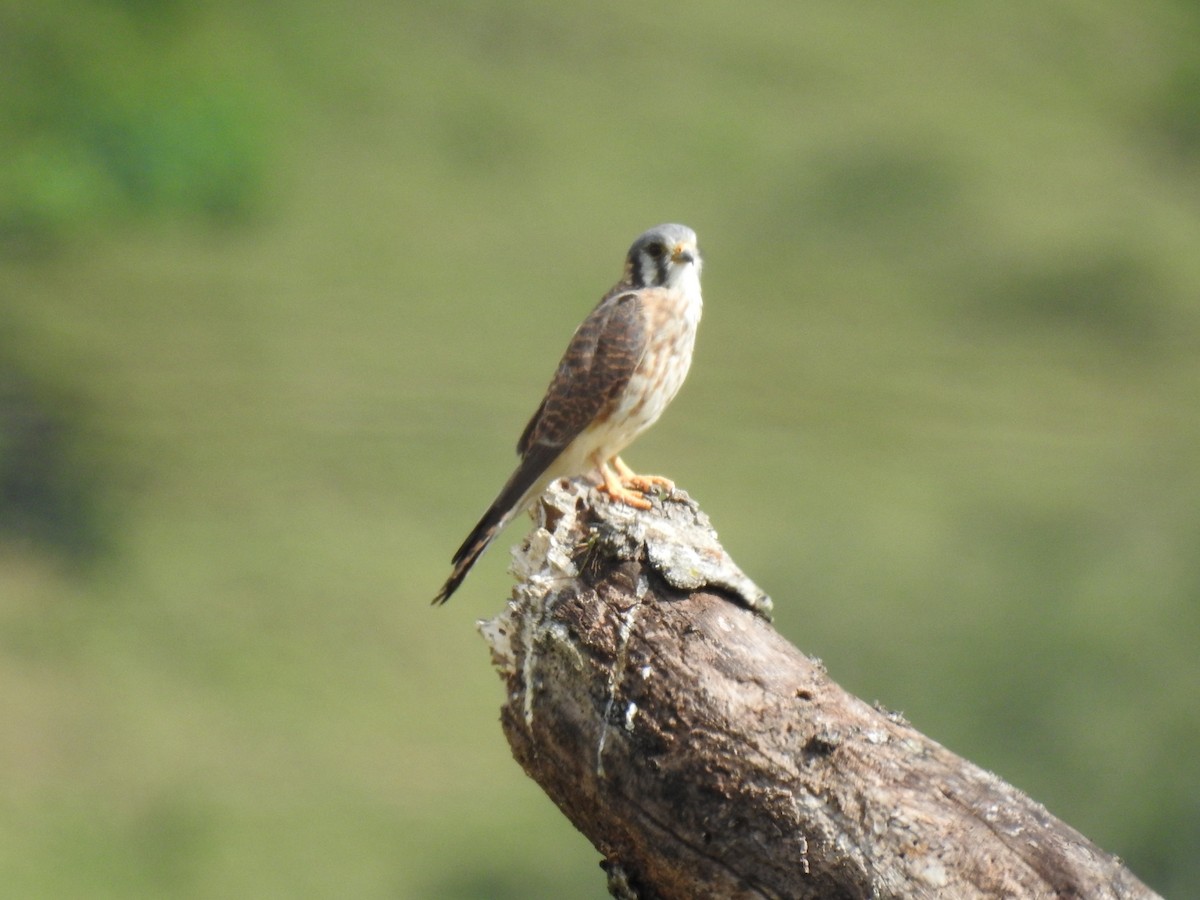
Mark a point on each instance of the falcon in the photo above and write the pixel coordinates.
(624, 364)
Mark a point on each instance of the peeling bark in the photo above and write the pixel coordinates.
(705, 756)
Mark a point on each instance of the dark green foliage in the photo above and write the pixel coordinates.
(104, 119)
(50, 491)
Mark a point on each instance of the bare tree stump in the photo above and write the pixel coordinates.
(705, 756)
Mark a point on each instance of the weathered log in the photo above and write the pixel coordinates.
(705, 756)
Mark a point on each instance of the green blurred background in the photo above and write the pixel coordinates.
(281, 282)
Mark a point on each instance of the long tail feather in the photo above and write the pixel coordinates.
(515, 495)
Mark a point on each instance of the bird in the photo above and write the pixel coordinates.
(622, 367)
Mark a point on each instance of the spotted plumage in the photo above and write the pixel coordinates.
(623, 366)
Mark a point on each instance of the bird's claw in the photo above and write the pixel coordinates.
(649, 483)
(622, 494)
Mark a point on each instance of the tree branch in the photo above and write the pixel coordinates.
(705, 756)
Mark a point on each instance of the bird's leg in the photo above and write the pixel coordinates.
(644, 483)
(615, 489)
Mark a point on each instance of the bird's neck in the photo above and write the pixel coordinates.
(688, 284)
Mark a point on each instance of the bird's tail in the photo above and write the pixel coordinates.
(477, 541)
(527, 482)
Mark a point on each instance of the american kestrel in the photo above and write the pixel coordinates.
(624, 364)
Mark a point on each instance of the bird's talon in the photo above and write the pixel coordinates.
(650, 483)
(623, 495)
(642, 483)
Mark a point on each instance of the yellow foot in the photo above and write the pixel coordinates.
(624, 495)
(614, 488)
(644, 483)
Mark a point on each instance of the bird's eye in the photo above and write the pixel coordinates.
(654, 251)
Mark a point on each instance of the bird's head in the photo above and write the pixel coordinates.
(665, 256)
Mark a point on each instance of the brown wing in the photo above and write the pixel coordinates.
(600, 360)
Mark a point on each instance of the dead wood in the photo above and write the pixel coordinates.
(705, 756)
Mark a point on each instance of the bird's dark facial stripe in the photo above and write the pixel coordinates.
(651, 261)
(650, 264)
(644, 269)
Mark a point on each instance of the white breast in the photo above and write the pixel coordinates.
(673, 316)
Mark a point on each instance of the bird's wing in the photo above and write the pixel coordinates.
(600, 359)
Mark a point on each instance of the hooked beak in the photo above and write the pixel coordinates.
(683, 253)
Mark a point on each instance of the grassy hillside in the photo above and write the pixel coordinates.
(282, 289)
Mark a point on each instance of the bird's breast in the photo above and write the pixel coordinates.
(671, 321)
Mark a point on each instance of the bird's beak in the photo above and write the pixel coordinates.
(683, 253)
